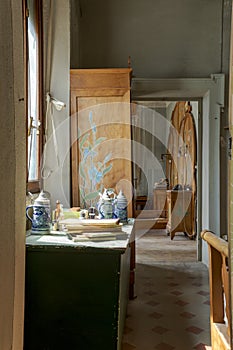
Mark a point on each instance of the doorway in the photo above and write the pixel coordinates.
(209, 92)
(151, 134)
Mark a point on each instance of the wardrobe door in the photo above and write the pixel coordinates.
(100, 134)
(182, 146)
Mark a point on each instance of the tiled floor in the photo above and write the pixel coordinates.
(171, 308)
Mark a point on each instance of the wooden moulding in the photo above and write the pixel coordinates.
(219, 285)
(100, 79)
(218, 243)
(219, 337)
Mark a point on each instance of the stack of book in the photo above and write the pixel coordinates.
(93, 229)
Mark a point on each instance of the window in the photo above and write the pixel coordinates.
(34, 84)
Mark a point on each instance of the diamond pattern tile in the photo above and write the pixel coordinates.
(194, 330)
(202, 292)
(160, 330)
(150, 293)
(156, 315)
(176, 292)
(171, 311)
(187, 315)
(181, 302)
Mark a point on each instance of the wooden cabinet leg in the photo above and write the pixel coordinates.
(172, 234)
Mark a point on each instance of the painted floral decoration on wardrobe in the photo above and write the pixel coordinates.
(91, 170)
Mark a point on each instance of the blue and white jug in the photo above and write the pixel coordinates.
(121, 207)
(41, 219)
(105, 205)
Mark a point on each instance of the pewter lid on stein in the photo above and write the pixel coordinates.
(121, 196)
(42, 199)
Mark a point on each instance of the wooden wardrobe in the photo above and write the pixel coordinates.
(100, 134)
(181, 171)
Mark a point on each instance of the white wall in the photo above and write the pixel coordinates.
(165, 39)
(12, 176)
(57, 160)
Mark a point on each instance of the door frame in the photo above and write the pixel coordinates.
(210, 91)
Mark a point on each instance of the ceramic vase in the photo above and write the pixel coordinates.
(41, 218)
(121, 207)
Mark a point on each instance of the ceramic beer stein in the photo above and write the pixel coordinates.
(121, 207)
(41, 219)
(105, 205)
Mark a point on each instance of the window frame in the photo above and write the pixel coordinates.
(34, 185)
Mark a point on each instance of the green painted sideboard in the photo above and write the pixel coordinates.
(76, 293)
